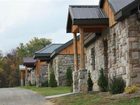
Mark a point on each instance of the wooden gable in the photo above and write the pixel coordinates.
(69, 49)
(109, 12)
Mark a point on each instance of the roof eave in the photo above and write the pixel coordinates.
(126, 11)
(97, 21)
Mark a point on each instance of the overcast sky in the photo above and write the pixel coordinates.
(21, 20)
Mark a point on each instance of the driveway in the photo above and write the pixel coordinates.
(17, 96)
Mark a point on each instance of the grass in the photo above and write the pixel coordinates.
(48, 91)
(94, 99)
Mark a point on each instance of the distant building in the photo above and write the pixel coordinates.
(28, 76)
(43, 58)
(58, 57)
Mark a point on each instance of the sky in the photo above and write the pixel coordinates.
(21, 20)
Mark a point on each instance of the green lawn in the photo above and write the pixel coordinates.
(47, 91)
(94, 99)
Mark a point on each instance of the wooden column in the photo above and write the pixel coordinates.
(38, 74)
(75, 52)
(22, 77)
(26, 76)
(82, 57)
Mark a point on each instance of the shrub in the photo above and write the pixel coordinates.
(69, 76)
(89, 82)
(117, 85)
(52, 82)
(131, 89)
(103, 81)
(45, 84)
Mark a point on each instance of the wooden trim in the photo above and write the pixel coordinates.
(75, 29)
(75, 51)
(21, 74)
(82, 57)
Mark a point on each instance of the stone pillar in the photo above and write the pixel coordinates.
(75, 82)
(49, 71)
(82, 72)
(83, 76)
(22, 78)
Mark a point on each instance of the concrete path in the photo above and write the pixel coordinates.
(60, 95)
(17, 96)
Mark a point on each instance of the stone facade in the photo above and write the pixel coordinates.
(43, 73)
(117, 51)
(60, 65)
(95, 59)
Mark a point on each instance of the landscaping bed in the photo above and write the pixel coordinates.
(48, 91)
(95, 99)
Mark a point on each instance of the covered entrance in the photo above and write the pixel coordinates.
(83, 20)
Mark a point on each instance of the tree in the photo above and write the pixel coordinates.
(69, 76)
(103, 81)
(28, 49)
(89, 82)
(36, 44)
(52, 82)
(9, 70)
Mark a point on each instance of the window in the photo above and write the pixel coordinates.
(93, 58)
(114, 47)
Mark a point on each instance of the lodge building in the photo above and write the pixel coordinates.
(109, 39)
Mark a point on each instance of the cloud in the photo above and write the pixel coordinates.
(21, 20)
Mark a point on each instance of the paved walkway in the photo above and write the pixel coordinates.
(56, 96)
(17, 96)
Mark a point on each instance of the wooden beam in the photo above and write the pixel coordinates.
(82, 56)
(75, 29)
(22, 77)
(38, 68)
(75, 51)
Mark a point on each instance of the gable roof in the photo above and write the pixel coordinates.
(85, 15)
(63, 47)
(118, 5)
(47, 51)
(121, 8)
(29, 61)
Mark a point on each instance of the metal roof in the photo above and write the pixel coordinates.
(47, 51)
(28, 60)
(117, 5)
(85, 15)
(70, 42)
(122, 8)
(86, 12)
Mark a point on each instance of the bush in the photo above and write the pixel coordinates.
(117, 85)
(103, 81)
(89, 82)
(45, 84)
(69, 76)
(52, 82)
(131, 89)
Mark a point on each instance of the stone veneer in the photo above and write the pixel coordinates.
(60, 64)
(123, 51)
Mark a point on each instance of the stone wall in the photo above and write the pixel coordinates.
(118, 51)
(94, 64)
(60, 65)
(134, 49)
(44, 73)
(123, 52)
